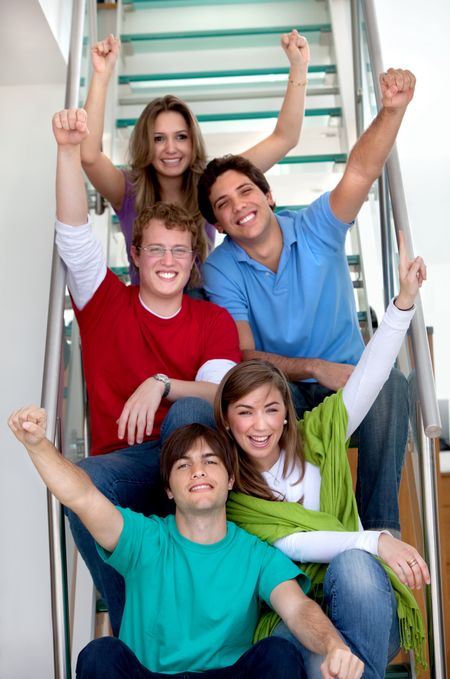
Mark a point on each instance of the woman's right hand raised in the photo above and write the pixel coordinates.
(105, 54)
(404, 560)
(70, 126)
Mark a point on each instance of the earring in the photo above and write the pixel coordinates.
(285, 422)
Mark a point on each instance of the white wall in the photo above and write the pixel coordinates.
(27, 181)
(414, 35)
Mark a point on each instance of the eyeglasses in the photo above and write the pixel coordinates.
(157, 251)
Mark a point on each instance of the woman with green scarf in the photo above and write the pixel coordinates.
(294, 489)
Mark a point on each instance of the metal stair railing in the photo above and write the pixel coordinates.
(52, 383)
(429, 425)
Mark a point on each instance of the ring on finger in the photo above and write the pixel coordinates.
(412, 563)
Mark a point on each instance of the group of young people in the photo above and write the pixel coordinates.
(250, 454)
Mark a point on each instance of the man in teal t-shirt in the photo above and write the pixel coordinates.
(194, 583)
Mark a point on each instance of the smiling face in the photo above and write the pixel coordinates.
(241, 209)
(172, 144)
(163, 278)
(199, 481)
(256, 422)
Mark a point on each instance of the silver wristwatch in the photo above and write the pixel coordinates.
(165, 380)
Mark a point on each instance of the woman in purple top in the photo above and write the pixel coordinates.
(166, 153)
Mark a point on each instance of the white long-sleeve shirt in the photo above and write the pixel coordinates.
(359, 393)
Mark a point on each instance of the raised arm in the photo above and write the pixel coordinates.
(70, 128)
(373, 147)
(378, 357)
(69, 483)
(78, 248)
(106, 178)
(290, 119)
(309, 624)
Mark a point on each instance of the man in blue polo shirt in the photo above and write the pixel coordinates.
(285, 281)
(194, 582)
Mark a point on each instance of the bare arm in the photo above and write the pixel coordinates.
(70, 128)
(372, 149)
(290, 119)
(106, 178)
(329, 374)
(70, 484)
(313, 629)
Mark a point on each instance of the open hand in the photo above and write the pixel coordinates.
(296, 48)
(404, 560)
(138, 414)
(105, 54)
(397, 88)
(412, 273)
(70, 126)
(28, 425)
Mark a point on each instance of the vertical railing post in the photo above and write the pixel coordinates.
(51, 390)
(430, 427)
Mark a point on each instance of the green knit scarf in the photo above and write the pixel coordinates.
(323, 431)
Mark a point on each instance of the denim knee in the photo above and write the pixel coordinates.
(357, 575)
(187, 411)
(94, 659)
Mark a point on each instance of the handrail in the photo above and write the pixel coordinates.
(430, 427)
(52, 387)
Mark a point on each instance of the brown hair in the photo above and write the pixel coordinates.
(183, 439)
(219, 166)
(173, 217)
(237, 383)
(143, 176)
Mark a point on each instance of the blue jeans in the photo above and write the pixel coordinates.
(361, 604)
(130, 478)
(381, 439)
(110, 658)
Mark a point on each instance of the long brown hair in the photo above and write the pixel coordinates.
(143, 176)
(237, 383)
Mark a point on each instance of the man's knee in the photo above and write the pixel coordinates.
(99, 654)
(187, 411)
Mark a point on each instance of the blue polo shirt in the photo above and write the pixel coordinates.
(307, 308)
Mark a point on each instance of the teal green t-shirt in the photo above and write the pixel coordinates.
(192, 607)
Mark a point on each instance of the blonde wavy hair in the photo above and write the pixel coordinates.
(142, 173)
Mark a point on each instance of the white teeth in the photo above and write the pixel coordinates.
(246, 219)
(203, 486)
(168, 275)
(171, 161)
(259, 439)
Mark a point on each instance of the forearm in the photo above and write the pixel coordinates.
(183, 389)
(294, 368)
(375, 364)
(290, 118)
(67, 482)
(323, 546)
(91, 147)
(373, 147)
(71, 199)
(313, 629)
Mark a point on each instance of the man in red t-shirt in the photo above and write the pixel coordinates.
(152, 357)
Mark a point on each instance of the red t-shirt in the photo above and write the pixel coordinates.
(123, 344)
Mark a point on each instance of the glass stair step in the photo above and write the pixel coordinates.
(245, 115)
(126, 79)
